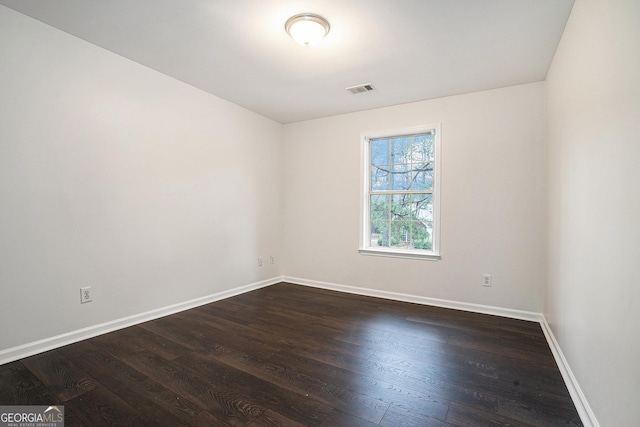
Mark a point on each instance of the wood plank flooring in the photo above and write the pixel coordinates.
(289, 355)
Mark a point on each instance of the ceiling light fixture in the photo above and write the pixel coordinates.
(307, 29)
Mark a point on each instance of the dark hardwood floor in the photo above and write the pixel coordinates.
(289, 355)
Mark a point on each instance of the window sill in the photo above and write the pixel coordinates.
(400, 254)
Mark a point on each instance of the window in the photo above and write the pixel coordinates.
(401, 193)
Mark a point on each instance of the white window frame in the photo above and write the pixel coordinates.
(365, 173)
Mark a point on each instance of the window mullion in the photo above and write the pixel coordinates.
(382, 192)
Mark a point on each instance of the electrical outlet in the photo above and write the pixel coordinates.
(272, 259)
(85, 295)
(486, 280)
(259, 261)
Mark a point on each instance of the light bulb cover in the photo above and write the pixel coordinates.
(307, 29)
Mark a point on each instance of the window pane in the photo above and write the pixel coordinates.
(402, 190)
(379, 178)
(422, 150)
(379, 233)
(400, 234)
(422, 207)
(401, 150)
(421, 235)
(400, 207)
(379, 207)
(401, 177)
(422, 176)
(380, 152)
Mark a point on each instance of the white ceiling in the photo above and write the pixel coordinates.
(410, 50)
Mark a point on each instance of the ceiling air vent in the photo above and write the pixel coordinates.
(360, 88)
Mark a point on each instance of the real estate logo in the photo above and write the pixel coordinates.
(32, 416)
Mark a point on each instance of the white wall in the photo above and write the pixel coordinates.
(493, 206)
(117, 177)
(593, 296)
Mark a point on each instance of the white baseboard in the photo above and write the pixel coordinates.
(579, 400)
(465, 306)
(582, 406)
(29, 349)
